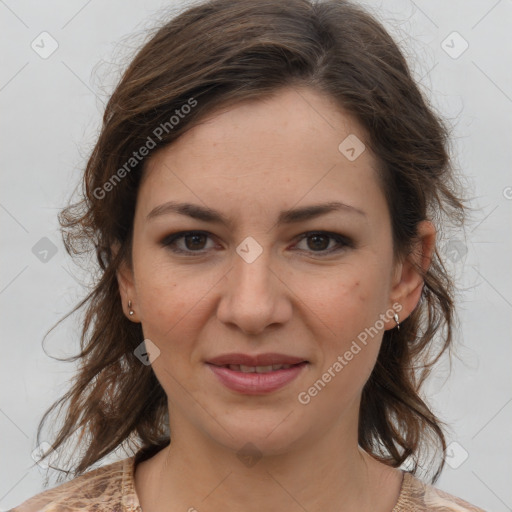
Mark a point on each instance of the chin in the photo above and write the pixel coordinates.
(266, 434)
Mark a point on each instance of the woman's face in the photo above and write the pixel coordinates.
(255, 288)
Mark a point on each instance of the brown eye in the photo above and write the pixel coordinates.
(187, 242)
(318, 242)
(324, 242)
(195, 241)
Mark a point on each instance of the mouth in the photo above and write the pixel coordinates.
(258, 369)
(256, 375)
(267, 360)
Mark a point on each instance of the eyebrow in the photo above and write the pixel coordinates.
(285, 217)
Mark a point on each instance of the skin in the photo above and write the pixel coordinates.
(250, 161)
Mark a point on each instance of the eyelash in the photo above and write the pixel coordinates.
(343, 242)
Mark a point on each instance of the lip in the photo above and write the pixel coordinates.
(255, 360)
(256, 383)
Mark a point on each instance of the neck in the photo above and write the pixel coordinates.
(329, 473)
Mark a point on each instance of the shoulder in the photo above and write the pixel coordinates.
(419, 496)
(107, 488)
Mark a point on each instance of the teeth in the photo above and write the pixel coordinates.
(263, 369)
(281, 366)
(258, 369)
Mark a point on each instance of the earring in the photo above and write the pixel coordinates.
(130, 306)
(397, 321)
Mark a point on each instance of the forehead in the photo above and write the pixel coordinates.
(283, 149)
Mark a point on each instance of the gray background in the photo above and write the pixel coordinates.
(51, 111)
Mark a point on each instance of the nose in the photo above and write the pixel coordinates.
(255, 296)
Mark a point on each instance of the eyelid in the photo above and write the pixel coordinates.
(168, 240)
(342, 240)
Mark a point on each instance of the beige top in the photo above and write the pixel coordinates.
(112, 488)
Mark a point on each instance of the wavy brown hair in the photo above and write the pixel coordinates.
(215, 54)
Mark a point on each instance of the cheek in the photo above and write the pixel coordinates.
(166, 313)
(346, 301)
(173, 303)
(160, 298)
(349, 306)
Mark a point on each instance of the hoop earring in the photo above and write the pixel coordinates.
(395, 316)
(130, 306)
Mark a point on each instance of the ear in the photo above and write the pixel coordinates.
(126, 284)
(407, 279)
